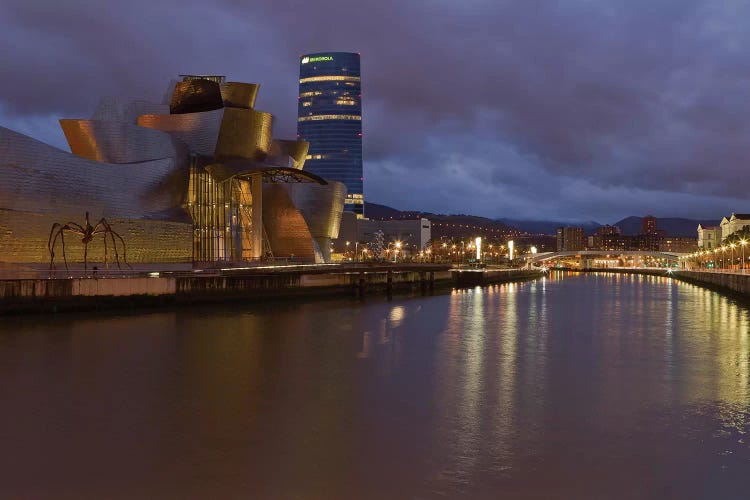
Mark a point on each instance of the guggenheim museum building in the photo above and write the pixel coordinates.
(196, 178)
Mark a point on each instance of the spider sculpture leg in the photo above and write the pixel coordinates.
(103, 228)
(61, 233)
(106, 262)
(74, 228)
(51, 244)
(62, 240)
(124, 249)
(107, 229)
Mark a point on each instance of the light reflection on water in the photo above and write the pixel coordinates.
(571, 386)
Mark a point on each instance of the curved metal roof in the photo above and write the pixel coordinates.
(271, 173)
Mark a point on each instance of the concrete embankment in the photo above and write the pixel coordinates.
(158, 289)
(733, 283)
(730, 282)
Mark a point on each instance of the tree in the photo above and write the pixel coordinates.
(377, 245)
(737, 236)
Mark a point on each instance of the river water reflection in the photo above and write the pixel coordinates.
(572, 386)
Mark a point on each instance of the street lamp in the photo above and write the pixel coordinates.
(743, 243)
(731, 266)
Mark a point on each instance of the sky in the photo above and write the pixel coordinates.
(560, 110)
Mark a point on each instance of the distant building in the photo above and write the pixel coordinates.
(414, 234)
(709, 237)
(608, 238)
(678, 245)
(608, 230)
(570, 239)
(650, 236)
(648, 225)
(733, 223)
(330, 119)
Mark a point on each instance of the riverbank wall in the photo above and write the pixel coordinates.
(733, 283)
(163, 289)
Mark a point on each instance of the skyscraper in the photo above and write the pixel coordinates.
(329, 117)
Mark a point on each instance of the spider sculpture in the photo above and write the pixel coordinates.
(87, 232)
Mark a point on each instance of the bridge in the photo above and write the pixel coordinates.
(588, 258)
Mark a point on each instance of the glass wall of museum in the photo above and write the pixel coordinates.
(215, 213)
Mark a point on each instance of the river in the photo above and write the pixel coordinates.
(570, 386)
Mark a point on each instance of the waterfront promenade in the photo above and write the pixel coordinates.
(155, 288)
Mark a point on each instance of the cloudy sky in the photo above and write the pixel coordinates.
(565, 110)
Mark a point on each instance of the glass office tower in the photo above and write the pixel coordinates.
(329, 117)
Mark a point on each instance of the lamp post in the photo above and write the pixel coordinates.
(731, 265)
(742, 244)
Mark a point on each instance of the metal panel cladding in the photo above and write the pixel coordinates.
(330, 118)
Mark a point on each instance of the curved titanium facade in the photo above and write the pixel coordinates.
(188, 185)
(41, 185)
(239, 95)
(296, 150)
(329, 117)
(287, 230)
(116, 142)
(321, 207)
(116, 109)
(198, 130)
(244, 133)
(195, 96)
(36, 177)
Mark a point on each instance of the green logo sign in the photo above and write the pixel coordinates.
(306, 60)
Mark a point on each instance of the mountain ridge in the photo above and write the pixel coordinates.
(630, 226)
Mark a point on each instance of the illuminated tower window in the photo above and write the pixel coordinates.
(330, 119)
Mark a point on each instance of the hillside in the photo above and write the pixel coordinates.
(674, 226)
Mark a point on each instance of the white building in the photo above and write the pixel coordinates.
(709, 237)
(414, 232)
(734, 223)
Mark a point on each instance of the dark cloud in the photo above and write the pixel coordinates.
(590, 109)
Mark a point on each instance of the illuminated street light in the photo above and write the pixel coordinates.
(731, 266)
(743, 243)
